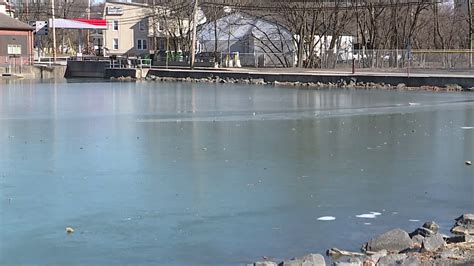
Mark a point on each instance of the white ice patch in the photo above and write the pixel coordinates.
(413, 104)
(367, 223)
(327, 218)
(376, 213)
(366, 216)
(467, 127)
(414, 220)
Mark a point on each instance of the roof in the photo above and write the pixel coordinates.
(9, 23)
(240, 25)
(79, 23)
(117, 2)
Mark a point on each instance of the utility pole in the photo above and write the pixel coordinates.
(88, 31)
(193, 43)
(471, 30)
(54, 31)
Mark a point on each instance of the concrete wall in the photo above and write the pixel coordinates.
(36, 72)
(86, 69)
(465, 82)
(126, 73)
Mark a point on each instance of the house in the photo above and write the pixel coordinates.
(16, 42)
(127, 30)
(7, 8)
(138, 29)
(258, 41)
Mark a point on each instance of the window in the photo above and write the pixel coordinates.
(116, 44)
(142, 45)
(141, 25)
(14, 49)
(158, 27)
(115, 25)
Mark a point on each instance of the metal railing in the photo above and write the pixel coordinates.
(49, 61)
(14, 64)
(130, 63)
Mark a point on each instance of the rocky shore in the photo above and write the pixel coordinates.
(352, 84)
(424, 246)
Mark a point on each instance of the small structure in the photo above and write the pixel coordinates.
(79, 24)
(255, 41)
(16, 42)
(7, 8)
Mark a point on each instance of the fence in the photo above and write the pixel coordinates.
(130, 63)
(396, 59)
(14, 64)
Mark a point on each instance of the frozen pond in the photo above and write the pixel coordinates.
(181, 173)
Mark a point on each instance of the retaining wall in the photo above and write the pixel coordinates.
(393, 79)
(86, 69)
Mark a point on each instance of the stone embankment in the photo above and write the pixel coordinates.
(352, 84)
(424, 246)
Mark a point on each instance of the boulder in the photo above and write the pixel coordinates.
(392, 259)
(422, 231)
(434, 227)
(348, 262)
(460, 239)
(453, 87)
(368, 263)
(395, 240)
(417, 240)
(265, 263)
(432, 243)
(307, 260)
(411, 261)
(464, 225)
(399, 259)
(377, 255)
(257, 81)
(401, 86)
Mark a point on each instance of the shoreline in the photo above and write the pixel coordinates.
(352, 84)
(424, 246)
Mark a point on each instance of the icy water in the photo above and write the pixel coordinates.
(187, 174)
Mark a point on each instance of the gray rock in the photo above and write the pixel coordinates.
(265, 263)
(453, 87)
(434, 227)
(348, 262)
(464, 225)
(377, 255)
(399, 259)
(411, 261)
(424, 232)
(432, 243)
(446, 254)
(257, 81)
(460, 239)
(307, 260)
(392, 259)
(401, 86)
(417, 239)
(394, 241)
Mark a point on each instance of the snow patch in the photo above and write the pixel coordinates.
(327, 218)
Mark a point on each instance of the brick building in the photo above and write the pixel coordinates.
(16, 42)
